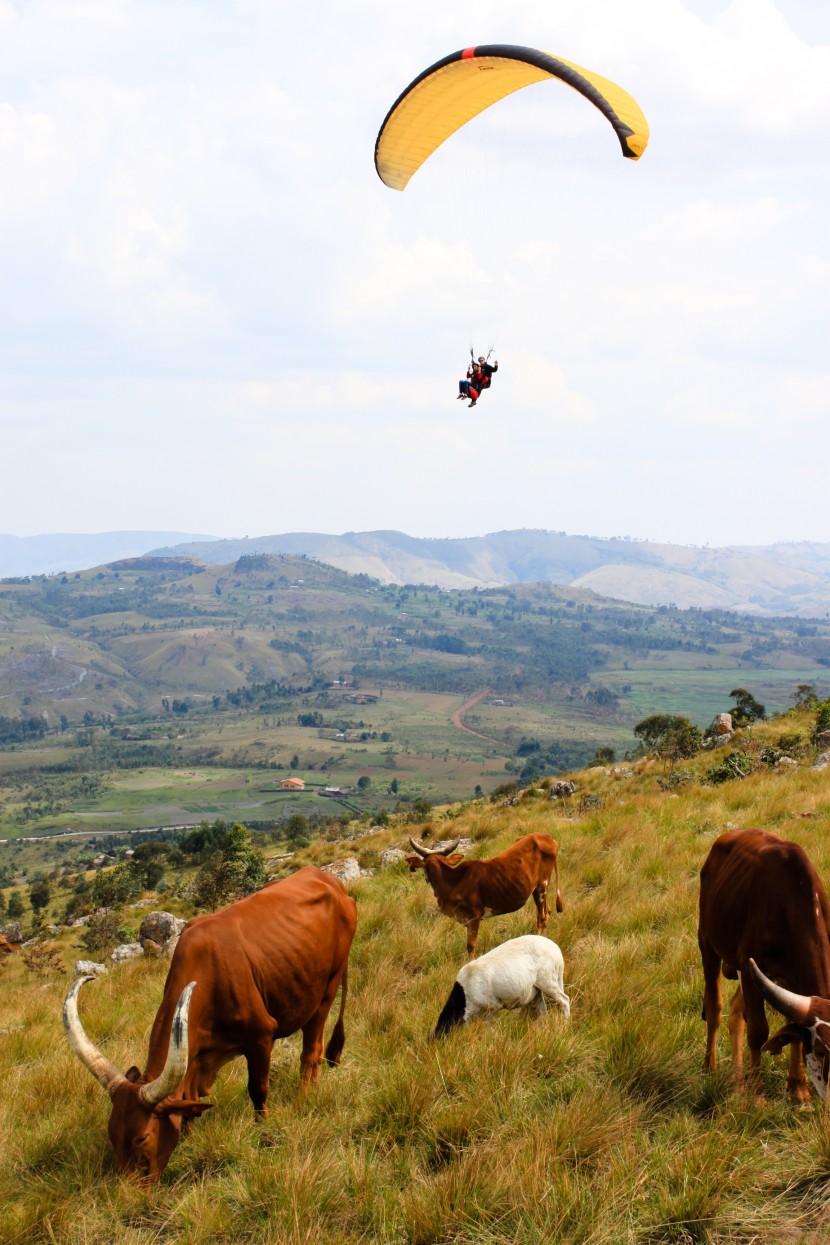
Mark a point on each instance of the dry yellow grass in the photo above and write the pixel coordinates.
(604, 1131)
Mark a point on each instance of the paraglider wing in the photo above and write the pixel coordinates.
(456, 89)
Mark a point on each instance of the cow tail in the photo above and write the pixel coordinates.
(556, 874)
(337, 1041)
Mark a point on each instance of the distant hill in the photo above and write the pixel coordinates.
(115, 640)
(51, 554)
(772, 579)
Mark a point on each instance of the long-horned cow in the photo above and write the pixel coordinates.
(809, 1026)
(470, 890)
(761, 899)
(264, 968)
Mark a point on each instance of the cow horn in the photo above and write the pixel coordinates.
(434, 851)
(172, 1074)
(795, 1007)
(104, 1072)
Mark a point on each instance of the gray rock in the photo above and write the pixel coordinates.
(721, 724)
(79, 920)
(90, 968)
(12, 931)
(562, 790)
(390, 856)
(162, 930)
(347, 870)
(786, 763)
(127, 951)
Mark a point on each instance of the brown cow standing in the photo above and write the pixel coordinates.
(760, 898)
(259, 970)
(470, 890)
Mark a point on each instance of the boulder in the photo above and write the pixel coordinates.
(562, 790)
(90, 968)
(347, 870)
(12, 931)
(786, 763)
(822, 760)
(391, 856)
(127, 951)
(161, 929)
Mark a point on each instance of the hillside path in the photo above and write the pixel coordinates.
(456, 717)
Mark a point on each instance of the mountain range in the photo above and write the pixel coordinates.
(785, 578)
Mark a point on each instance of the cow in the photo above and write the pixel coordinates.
(519, 973)
(809, 1026)
(258, 970)
(760, 898)
(470, 890)
(7, 944)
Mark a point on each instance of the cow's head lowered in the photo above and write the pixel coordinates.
(146, 1120)
(809, 1018)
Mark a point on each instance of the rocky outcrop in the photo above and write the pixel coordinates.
(347, 870)
(159, 933)
(127, 951)
(90, 968)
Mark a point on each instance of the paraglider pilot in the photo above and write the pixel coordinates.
(479, 378)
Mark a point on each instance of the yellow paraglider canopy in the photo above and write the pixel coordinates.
(456, 89)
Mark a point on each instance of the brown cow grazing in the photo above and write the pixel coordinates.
(259, 970)
(760, 898)
(470, 890)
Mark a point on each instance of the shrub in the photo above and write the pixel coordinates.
(103, 932)
(42, 960)
(733, 765)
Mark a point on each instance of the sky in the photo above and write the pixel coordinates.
(215, 318)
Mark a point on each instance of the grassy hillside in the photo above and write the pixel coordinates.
(604, 1131)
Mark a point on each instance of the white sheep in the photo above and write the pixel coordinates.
(519, 973)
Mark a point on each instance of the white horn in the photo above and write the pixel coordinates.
(172, 1074)
(794, 1006)
(104, 1072)
(419, 847)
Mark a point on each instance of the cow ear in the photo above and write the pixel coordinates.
(189, 1108)
(133, 1074)
(789, 1033)
(414, 862)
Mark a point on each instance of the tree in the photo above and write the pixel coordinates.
(114, 886)
(149, 863)
(393, 787)
(669, 736)
(364, 782)
(804, 696)
(236, 872)
(295, 830)
(2, 903)
(746, 707)
(294, 762)
(40, 892)
(15, 909)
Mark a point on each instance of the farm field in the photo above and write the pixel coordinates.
(603, 1131)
